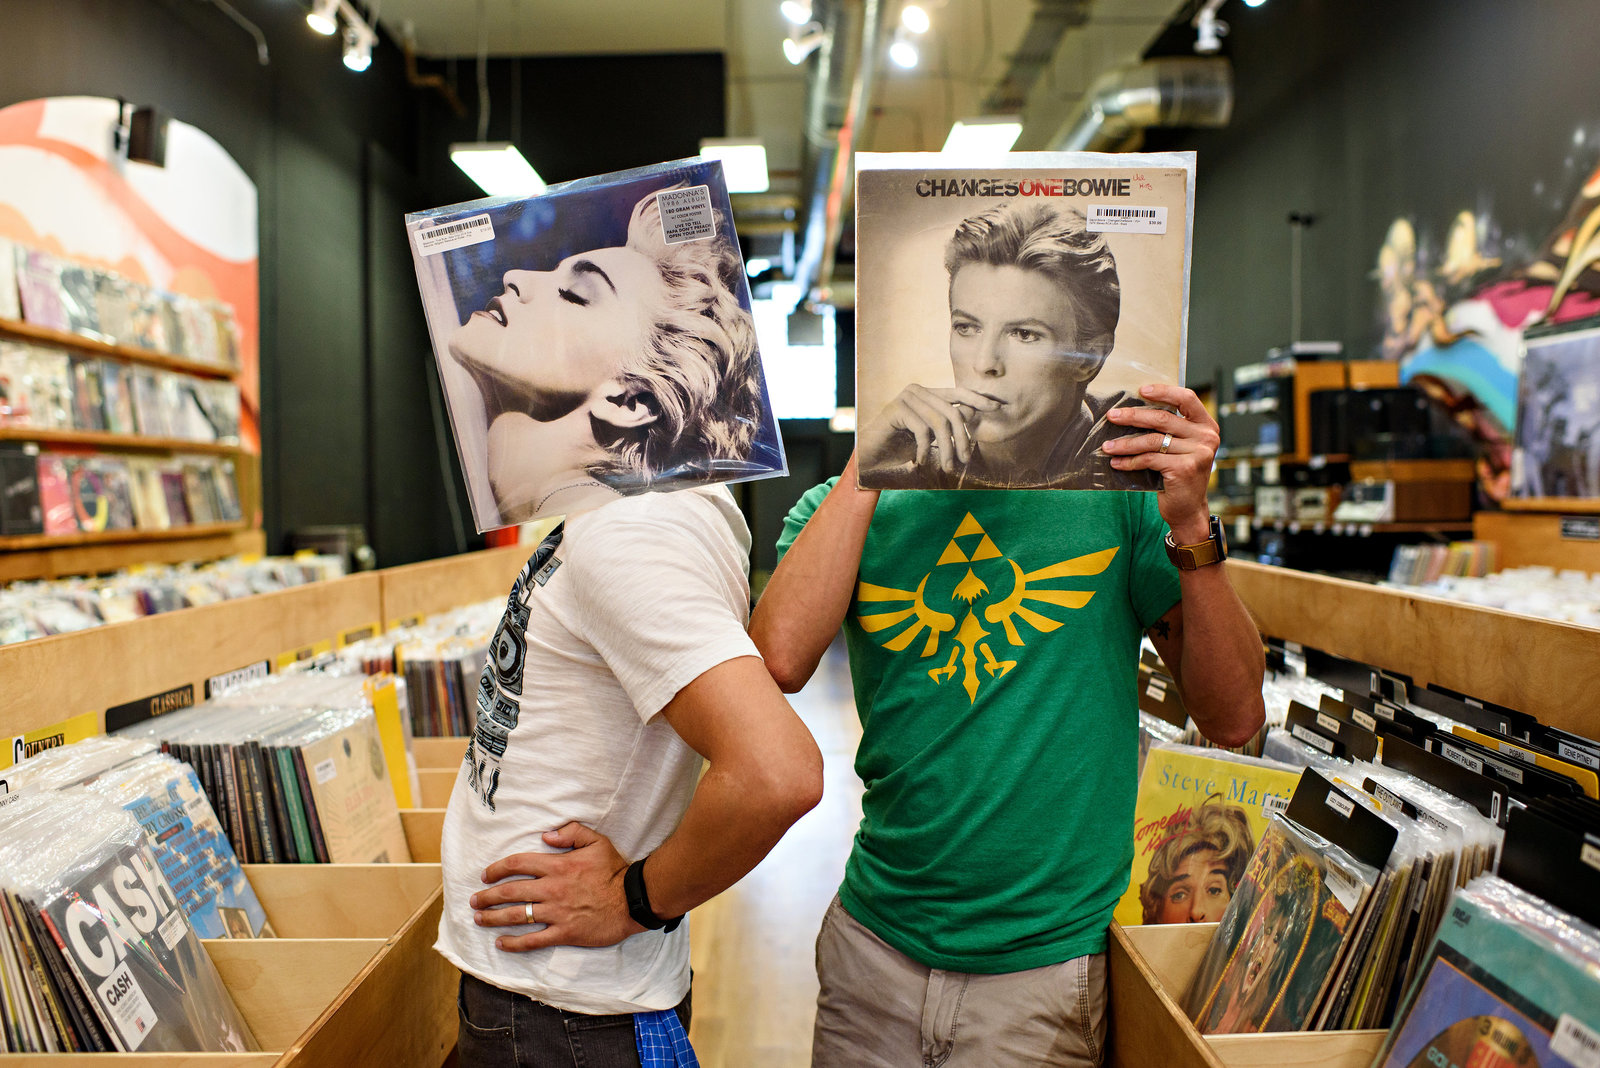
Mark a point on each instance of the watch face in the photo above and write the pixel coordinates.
(1221, 538)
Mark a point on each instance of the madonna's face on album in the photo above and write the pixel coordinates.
(1014, 338)
(551, 338)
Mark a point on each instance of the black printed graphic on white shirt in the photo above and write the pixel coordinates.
(501, 682)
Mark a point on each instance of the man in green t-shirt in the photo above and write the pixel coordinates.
(993, 639)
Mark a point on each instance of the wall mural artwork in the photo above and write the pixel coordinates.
(188, 228)
(1456, 328)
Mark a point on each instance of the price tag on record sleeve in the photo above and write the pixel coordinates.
(1129, 219)
(1576, 1043)
(458, 233)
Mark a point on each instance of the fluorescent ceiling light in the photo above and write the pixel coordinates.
(904, 54)
(323, 17)
(498, 168)
(796, 11)
(995, 133)
(914, 18)
(1254, 3)
(744, 163)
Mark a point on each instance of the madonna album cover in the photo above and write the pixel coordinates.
(595, 341)
(1005, 305)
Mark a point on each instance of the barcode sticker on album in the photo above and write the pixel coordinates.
(686, 214)
(173, 930)
(458, 234)
(1575, 1042)
(1273, 805)
(1126, 219)
(325, 770)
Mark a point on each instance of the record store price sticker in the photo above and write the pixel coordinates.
(456, 234)
(1344, 889)
(173, 930)
(1575, 1042)
(1130, 219)
(325, 770)
(130, 1009)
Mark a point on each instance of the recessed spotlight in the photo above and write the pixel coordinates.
(903, 54)
(915, 18)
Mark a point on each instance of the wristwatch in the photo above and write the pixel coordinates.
(1213, 550)
(639, 901)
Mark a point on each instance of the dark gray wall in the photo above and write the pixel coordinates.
(1360, 111)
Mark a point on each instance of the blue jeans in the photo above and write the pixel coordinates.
(500, 1029)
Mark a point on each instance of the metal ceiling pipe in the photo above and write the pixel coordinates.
(838, 86)
(1169, 91)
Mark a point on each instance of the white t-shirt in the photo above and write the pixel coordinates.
(641, 597)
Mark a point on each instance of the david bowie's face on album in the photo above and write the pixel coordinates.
(1013, 337)
(551, 338)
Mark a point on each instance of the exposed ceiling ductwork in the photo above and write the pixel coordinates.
(838, 87)
(1171, 91)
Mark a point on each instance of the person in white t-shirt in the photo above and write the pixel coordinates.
(620, 663)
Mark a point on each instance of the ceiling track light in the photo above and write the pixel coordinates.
(914, 17)
(902, 51)
(358, 46)
(802, 41)
(324, 17)
(798, 12)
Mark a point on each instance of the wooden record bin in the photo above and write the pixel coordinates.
(352, 979)
(1533, 665)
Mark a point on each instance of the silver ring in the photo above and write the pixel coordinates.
(1166, 442)
(527, 910)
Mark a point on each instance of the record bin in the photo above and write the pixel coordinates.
(1149, 970)
(356, 940)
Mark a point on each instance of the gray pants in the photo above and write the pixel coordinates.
(878, 1008)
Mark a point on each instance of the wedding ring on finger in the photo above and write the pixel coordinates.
(527, 911)
(1166, 442)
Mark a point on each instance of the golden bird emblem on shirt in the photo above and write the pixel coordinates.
(901, 617)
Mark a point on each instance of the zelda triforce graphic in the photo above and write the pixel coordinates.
(909, 611)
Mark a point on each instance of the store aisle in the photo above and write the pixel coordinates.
(755, 985)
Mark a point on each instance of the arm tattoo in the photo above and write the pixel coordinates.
(1160, 629)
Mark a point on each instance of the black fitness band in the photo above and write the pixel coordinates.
(639, 901)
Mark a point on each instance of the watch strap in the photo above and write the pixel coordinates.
(1201, 554)
(638, 900)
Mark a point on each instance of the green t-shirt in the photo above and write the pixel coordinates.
(994, 645)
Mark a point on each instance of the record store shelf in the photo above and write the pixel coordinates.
(100, 439)
(1532, 665)
(20, 331)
